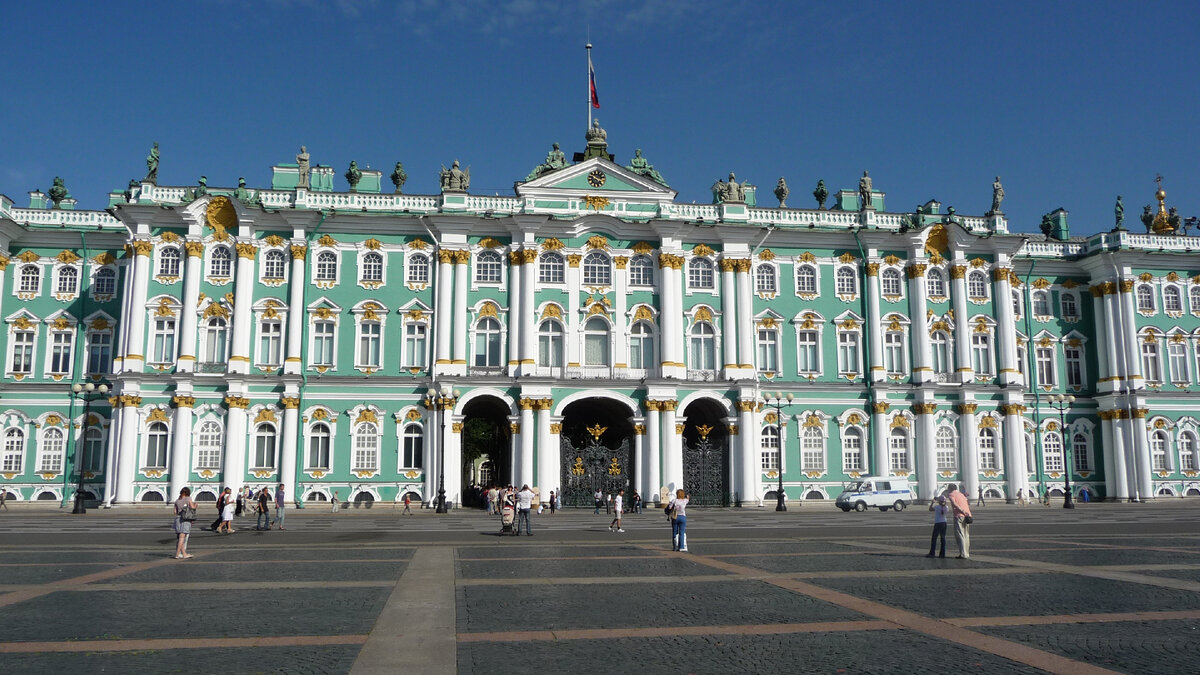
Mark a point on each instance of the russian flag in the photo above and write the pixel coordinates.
(592, 80)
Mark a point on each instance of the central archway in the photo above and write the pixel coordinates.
(597, 450)
(486, 447)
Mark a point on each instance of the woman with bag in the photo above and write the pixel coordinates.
(185, 515)
(677, 513)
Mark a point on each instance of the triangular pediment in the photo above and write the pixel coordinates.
(597, 176)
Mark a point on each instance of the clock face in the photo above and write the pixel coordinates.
(596, 178)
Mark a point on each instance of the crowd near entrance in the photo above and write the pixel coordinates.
(486, 447)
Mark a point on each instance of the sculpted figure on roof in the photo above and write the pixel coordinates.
(455, 179)
(555, 159)
(641, 167)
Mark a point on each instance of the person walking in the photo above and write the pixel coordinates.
(221, 499)
(241, 502)
(939, 508)
(618, 503)
(524, 504)
(599, 496)
(962, 520)
(407, 504)
(637, 502)
(979, 502)
(677, 510)
(227, 515)
(263, 509)
(336, 502)
(280, 503)
(185, 514)
(3, 499)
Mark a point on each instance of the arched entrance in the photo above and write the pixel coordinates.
(597, 450)
(706, 454)
(486, 447)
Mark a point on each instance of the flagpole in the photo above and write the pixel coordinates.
(589, 84)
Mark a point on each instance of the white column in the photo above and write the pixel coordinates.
(1113, 345)
(462, 314)
(243, 317)
(516, 311)
(289, 444)
(672, 448)
(297, 315)
(127, 448)
(1102, 344)
(572, 338)
(922, 361)
(880, 462)
(548, 451)
(653, 452)
(1006, 337)
(1014, 449)
(621, 321)
(874, 327)
(112, 456)
(670, 308)
(443, 312)
(527, 321)
(926, 452)
(1128, 325)
(969, 448)
(1120, 468)
(430, 432)
(1141, 447)
(452, 459)
(750, 454)
(135, 323)
(187, 323)
(729, 325)
(962, 323)
(639, 458)
(745, 317)
(527, 435)
(1107, 456)
(233, 468)
(181, 444)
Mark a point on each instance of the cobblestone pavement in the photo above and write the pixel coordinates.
(1107, 587)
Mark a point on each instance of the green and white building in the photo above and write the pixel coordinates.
(604, 334)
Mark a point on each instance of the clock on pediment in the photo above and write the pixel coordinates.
(596, 178)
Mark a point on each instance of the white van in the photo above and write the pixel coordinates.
(882, 493)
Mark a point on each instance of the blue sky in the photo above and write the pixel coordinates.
(1071, 103)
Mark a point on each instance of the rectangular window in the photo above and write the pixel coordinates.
(987, 451)
(813, 450)
(99, 353)
(1151, 364)
(1177, 361)
(1045, 366)
(270, 336)
(807, 353)
(848, 352)
(1079, 453)
(322, 352)
(22, 355)
(893, 352)
(768, 344)
(770, 449)
(852, 450)
(414, 345)
(1073, 356)
(981, 353)
(163, 341)
(898, 451)
(61, 343)
(364, 452)
(368, 344)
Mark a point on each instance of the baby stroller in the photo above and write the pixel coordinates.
(507, 519)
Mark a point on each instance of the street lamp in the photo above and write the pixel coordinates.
(1061, 403)
(439, 401)
(779, 403)
(88, 392)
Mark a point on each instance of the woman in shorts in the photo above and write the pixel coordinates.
(183, 528)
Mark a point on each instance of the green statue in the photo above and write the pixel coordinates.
(1148, 219)
(58, 192)
(641, 167)
(399, 177)
(241, 193)
(555, 159)
(152, 165)
(131, 191)
(353, 175)
(821, 194)
(782, 192)
(202, 188)
(1119, 214)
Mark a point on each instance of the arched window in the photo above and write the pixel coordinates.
(93, 450)
(168, 262)
(326, 266)
(1079, 453)
(68, 280)
(1145, 298)
(891, 283)
(105, 281)
(812, 449)
(703, 352)
(1187, 452)
(846, 281)
(372, 267)
(898, 450)
(318, 446)
(700, 273)
(641, 346)
(487, 343)
(595, 342)
(414, 444)
(550, 344)
(216, 332)
(1194, 298)
(53, 448)
(366, 448)
(1158, 450)
(946, 449)
(852, 448)
(551, 269)
(1068, 304)
(597, 269)
(806, 279)
(641, 271)
(765, 280)
(31, 279)
(977, 286)
(156, 446)
(221, 263)
(770, 448)
(987, 450)
(935, 283)
(939, 344)
(208, 446)
(1041, 303)
(273, 264)
(264, 447)
(488, 267)
(1052, 450)
(1172, 300)
(14, 451)
(418, 269)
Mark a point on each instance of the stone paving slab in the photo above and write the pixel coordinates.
(277, 571)
(509, 608)
(872, 652)
(299, 660)
(1144, 647)
(1107, 556)
(737, 548)
(867, 561)
(191, 614)
(1190, 574)
(46, 572)
(1011, 594)
(994, 545)
(577, 569)
(512, 547)
(251, 552)
(82, 555)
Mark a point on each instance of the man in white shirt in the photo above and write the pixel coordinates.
(524, 504)
(618, 503)
(599, 496)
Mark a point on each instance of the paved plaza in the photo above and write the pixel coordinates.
(1107, 587)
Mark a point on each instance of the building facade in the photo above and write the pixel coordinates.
(588, 332)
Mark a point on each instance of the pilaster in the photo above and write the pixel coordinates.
(243, 316)
(289, 442)
(874, 327)
(962, 330)
(729, 310)
(462, 313)
(181, 443)
(233, 468)
(745, 318)
(443, 313)
(922, 365)
(190, 314)
(297, 315)
(968, 430)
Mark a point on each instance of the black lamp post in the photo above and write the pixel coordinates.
(779, 403)
(1061, 403)
(88, 392)
(439, 401)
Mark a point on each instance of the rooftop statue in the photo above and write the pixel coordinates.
(455, 179)
(1174, 220)
(152, 165)
(782, 192)
(555, 159)
(192, 194)
(821, 194)
(729, 192)
(202, 188)
(641, 167)
(1047, 225)
(864, 192)
(58, 192)
(399, 177)
(304, 168)
(353, 175)
(131, 190)
(243, 195)
(997, 196)
(1119, 214)
(1148, 219)
(595, 135)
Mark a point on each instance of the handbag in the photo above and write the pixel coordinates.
(187, 514)
(670, 511)
(967, 520)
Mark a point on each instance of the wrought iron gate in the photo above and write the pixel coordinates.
(706, 471)
(593, 467)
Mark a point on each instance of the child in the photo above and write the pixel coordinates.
(939, 508)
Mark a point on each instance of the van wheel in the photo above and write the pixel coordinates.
(860, 506)
(899, 506)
